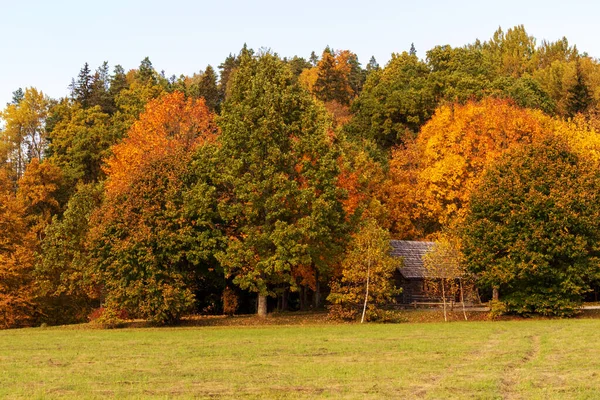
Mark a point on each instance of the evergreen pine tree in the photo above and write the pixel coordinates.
(99, 89)
(17, 96)
(579, 97)
(82, 87)
(118, 81)
(146, 73)
(314, 59)
(373, 65)
(207, 88)
(413, 50)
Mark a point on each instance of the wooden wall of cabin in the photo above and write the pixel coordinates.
(411, 288)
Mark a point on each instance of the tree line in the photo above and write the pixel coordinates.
(278, 182)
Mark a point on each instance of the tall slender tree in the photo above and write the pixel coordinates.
(81, 88)
(24, 136)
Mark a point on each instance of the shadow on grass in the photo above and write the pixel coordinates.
(300, 318)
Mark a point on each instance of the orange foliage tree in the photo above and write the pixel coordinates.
(169, 123)
(145, 242)
(16, 259)
(434, 178)
(431, 179)
(362, 177)
(25, 214)
(39, 192)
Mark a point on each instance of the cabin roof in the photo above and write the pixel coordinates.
(412, 255)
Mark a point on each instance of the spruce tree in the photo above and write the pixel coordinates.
(82, 87)
(207, 88)
(146, 74)
(17, 96)
(99, 89)
(373, 65)
(118, 81)
(578, 96)
(314, 59)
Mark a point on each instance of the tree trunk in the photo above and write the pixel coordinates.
(262, 306)
(362, 319)
(495, 295)
(284, 299)
(462, 298)
(303, 300)
(444, 299)
(478, 296)
(317, 290)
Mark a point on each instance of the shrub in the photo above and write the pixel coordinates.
(108, 318)
(230, 301)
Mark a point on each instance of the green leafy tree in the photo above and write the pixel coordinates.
(459, 74)
(278, 173)
(413, 50)
(144, 85)
(298, 64)
(394, 102)
(146, 74)
(313, 59)
(373, 65)
(68, 286)
(511, 52)
(228, 67)
(525, 91)
(531, 231)
(79, 141)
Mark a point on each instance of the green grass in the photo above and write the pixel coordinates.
(529, 359)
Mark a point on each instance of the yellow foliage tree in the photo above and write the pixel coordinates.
(24, 135)
(446, 272)
(431, 180)
(434, 177)
(367, 276)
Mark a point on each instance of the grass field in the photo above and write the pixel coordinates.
(530, 359)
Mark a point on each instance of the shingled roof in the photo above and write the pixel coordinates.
(412, 254)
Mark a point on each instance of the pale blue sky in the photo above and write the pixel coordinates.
(45, 43)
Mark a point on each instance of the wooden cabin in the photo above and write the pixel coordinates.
(410, 276)
(417, 281)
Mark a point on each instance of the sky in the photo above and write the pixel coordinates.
(45, 43)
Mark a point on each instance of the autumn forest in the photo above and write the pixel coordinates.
(276, 183)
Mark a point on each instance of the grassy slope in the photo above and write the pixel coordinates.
(508, 359)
